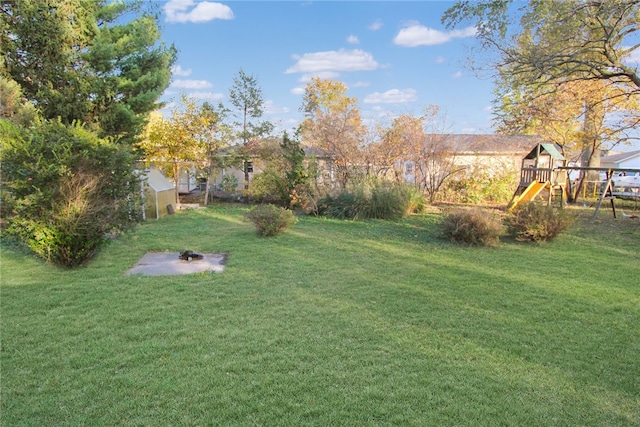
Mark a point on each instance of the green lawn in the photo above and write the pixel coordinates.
(331, 323)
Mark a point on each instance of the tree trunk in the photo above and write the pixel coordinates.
(592, 144)
(176, 180)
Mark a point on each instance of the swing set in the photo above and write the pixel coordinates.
(544, 168)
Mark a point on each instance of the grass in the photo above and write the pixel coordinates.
(331, 323)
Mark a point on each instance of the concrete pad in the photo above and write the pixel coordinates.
(169, 264)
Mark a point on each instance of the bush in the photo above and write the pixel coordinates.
(482, 185)
(229, 183)
(270, 220)
(413, 199)
(377, 200)
(534, 222)
(474, 227)
(64, 189)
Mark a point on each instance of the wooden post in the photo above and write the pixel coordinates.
(607, 190)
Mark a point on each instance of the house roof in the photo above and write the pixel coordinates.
(315, 151)
(493, 143)
(620, 157)
(308, 151)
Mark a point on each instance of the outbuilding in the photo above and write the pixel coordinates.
(159, 194)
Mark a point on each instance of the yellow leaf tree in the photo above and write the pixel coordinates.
(333, 123)
(192, 136)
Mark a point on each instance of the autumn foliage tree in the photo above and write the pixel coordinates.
(418, 141)
(566, 72)
(333, 123)
(192, 136)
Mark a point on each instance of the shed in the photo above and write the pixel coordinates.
(159, 193)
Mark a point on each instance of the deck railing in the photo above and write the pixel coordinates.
(528, 175)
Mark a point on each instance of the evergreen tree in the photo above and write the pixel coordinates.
(81, 60)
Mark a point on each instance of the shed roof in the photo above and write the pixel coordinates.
(157, 181)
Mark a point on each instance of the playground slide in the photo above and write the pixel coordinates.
(529, 193)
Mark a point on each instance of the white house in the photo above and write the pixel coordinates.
(630, 160)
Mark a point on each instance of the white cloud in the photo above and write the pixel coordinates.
(191, 84)
(190, 11)
(177, 70)
(297, 91)
(457, 74)
(341, 60)
(439, 60)
(393, 96)
(353, 39)
(207, 95)
(376, 25)
(419, 35)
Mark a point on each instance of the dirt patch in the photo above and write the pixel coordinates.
(169, 264)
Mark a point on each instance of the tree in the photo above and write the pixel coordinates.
(58, 200)
(167, 144)
(397, 145)
(193, 135)
(417, 141)
(84, 60)
(299, 173)
(246, 96)
(12, 105)
(79, 77)
(563, 49)
(286, 175)
(575, 40)
(205, 124)
(332, 122)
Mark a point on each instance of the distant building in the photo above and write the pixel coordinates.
(159, 192)
(629, 160)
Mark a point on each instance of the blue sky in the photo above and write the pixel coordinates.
(395, 57)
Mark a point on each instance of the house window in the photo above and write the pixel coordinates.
(408, 168)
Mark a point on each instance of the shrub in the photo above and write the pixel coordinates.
(377, 200)
(534, 222)
(229, 183)
(413, 198)
(64, 189)
(474, 227)
(483, 185)
(270, 220)
(342, 206)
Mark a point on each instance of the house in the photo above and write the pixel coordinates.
(493, 153)
(232, 178)
(488, 154)
(630, 160)
(159, 193)
(473, 153)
